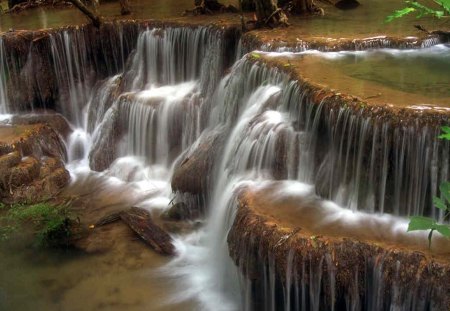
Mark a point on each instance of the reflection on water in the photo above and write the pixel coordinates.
(423, 72)
(122, 279)
(56, 17)
(366, 20)
(401, 78)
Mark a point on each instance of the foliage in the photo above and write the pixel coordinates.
(446, 134)
(51, 224)
(442, 203)
(422, 10)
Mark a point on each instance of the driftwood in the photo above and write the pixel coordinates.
(141, 223)
(96, 20)
(443, 34)
(208, 7)
(105, 220)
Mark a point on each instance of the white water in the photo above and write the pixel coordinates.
(162, 103)
(3, 75)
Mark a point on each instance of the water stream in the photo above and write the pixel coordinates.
(162, 101)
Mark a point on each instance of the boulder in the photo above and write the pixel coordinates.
(23, 173)
(54, 120)
(31, 164)
(177, 211)
(104, 148)
(9, 160)
(193, 173)
(32, 181)
(35, 140)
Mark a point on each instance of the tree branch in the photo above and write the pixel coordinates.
(96, 20)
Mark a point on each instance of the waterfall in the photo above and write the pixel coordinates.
(139, 115)
(167, 117)
(274, 132)
(342, 149)
(162, 96)
(3, 77)
(173, 55)
(73, 73)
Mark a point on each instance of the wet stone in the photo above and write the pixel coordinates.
(177, 211)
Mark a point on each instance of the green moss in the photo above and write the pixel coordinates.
(51, 224)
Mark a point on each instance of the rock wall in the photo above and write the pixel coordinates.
(31, 158)
(293, 269)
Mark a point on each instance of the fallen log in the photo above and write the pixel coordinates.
(141, 223)
(110, 218)
(96, 20)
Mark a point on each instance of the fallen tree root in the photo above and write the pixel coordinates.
(141, 223)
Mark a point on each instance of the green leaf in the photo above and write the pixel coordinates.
(443, 229)
(445, 190)
(439, 14)
(445, 4)
(446, 133)
(420, 223)
(439, 203)
(420, 7)
(399, 13)
(256, 55)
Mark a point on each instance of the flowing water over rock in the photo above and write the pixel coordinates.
(3, 72)
(143, 111)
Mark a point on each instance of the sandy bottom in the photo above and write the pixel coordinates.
(123, 278)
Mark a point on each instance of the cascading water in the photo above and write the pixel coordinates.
(141, 123)
(262, 111)
(3, 73)
(73, 73)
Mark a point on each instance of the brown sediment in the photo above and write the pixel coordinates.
(262, 235)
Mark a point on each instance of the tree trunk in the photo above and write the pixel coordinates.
(305, 7)
(268, 13)
(12, 3)
(247, 5)
(125, 8)
(96, 20)
(213, 5)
